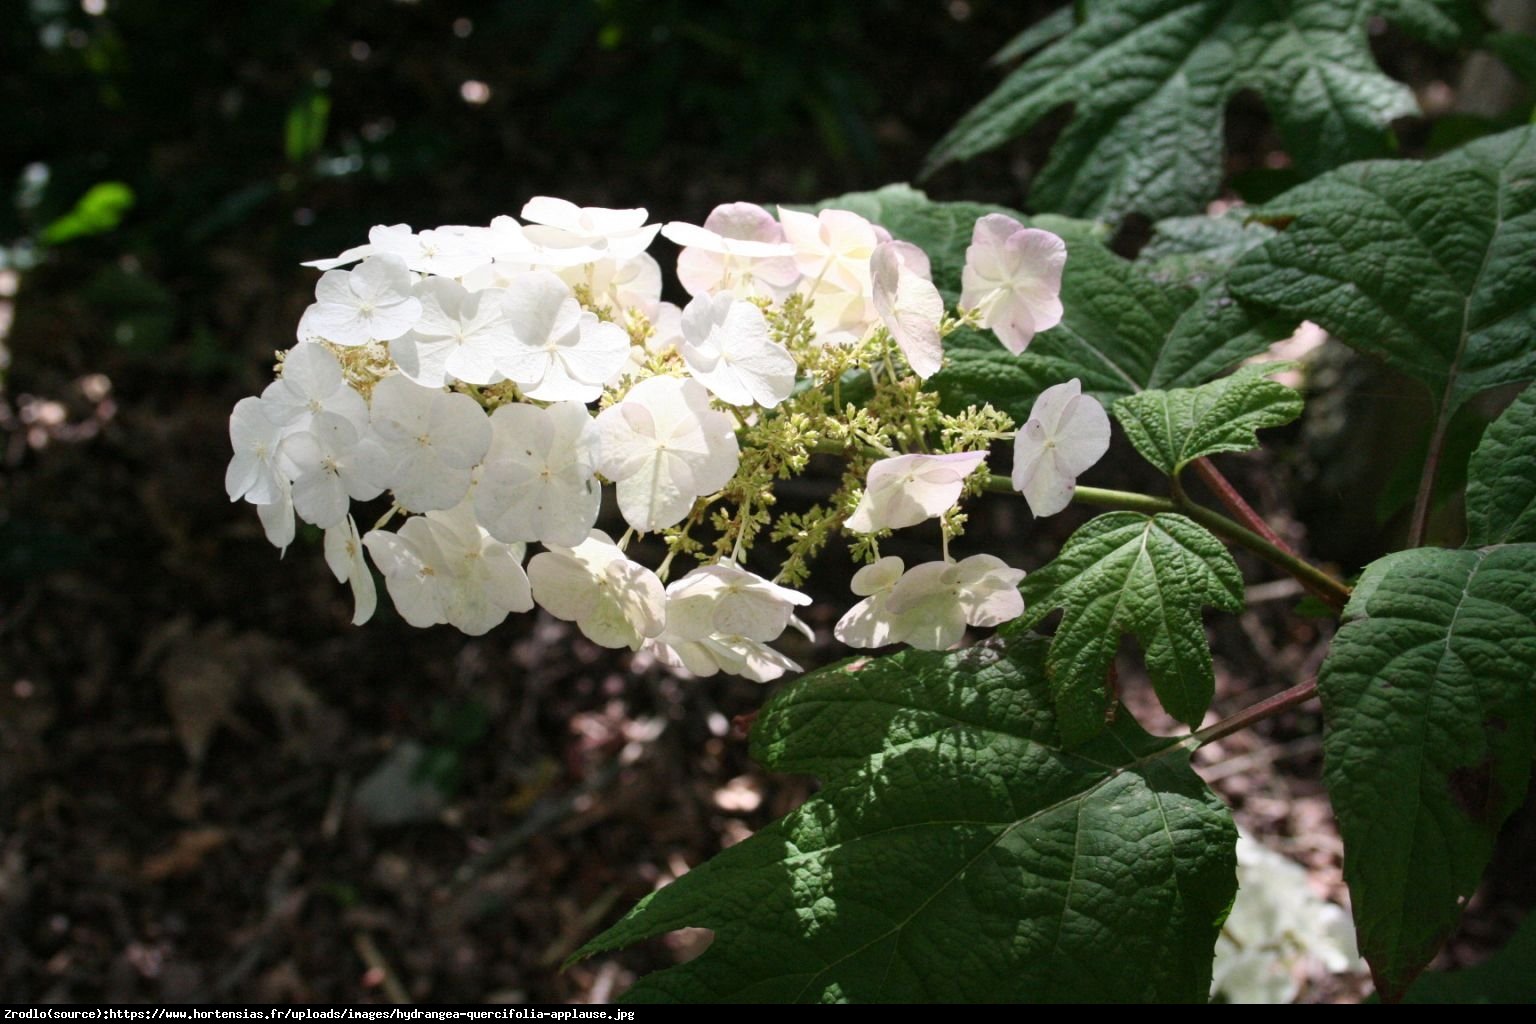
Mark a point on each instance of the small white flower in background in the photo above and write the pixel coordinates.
(423, 443)
(557, 223)
(312, 385)
(832, 247)
(615, 602)
(909, 305)
(1276, 925)
(538, 480)
(664, 447)
(841, 317)
(374, 302)
(460, 335)
(727, 600)
(740, 249)
(908, 489)
(344, 555)
(621, 285)
(444, 568)
(559, 352)
(1066, 433)
(728, 349)
(930, 605)
(1012, 277)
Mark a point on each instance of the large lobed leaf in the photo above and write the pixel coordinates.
(1427, 265)
(1431, 710)
(1149, 80)
(1173, 428)
(1126, 572)
(956, 852)
(1501, 478)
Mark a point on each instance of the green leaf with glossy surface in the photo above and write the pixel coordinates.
(1173, 428)
(955, 852)
(1501, 478)
(1431, 711)
(1126, 572)
(1427, 265)
(1149, 80)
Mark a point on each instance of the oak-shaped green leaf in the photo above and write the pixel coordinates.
(1126, 572)
(1427, 265)
(1149, 79)
(1501, 478)
(955, 852)
(1173, 428)
(1431, 711)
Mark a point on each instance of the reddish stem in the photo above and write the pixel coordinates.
(1240, 509)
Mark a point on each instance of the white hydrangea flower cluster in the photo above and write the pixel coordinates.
(492, 380)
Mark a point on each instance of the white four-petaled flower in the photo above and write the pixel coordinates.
(728, 349)
(908, 489)
(663, 446)
(1012, 276)
(930, 605)
(1066, 433)
(614, 601)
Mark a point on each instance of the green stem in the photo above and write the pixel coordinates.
(1235, 504)
(1418, 526)
(1266, 708)
(1314, 579)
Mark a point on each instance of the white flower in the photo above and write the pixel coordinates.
(556, 224)
(373, 302)
(909, 305)
(613, 601)
(664, 447)
(344, 554)
(727, 347)
(740, 249)
(930, 605)
(444, 567)
(833, 246)
(869, 623)
(908, 489)
(461, 335)
(727, 600)
(450, 251)
(622, 285)
(311, 385)
(277, 517)
(1067, 432)
(1012, 276)
(559, 351)
(423, 443)
(326, 470)
(1275, 927)
(254, 473)
(840, 317)
(734, 655)
(538, 482)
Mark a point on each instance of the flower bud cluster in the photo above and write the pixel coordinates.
(493, 380)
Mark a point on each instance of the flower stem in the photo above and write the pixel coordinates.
(1328, 589)
(1266, 708)
(1235, 504)
(1418, 526)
